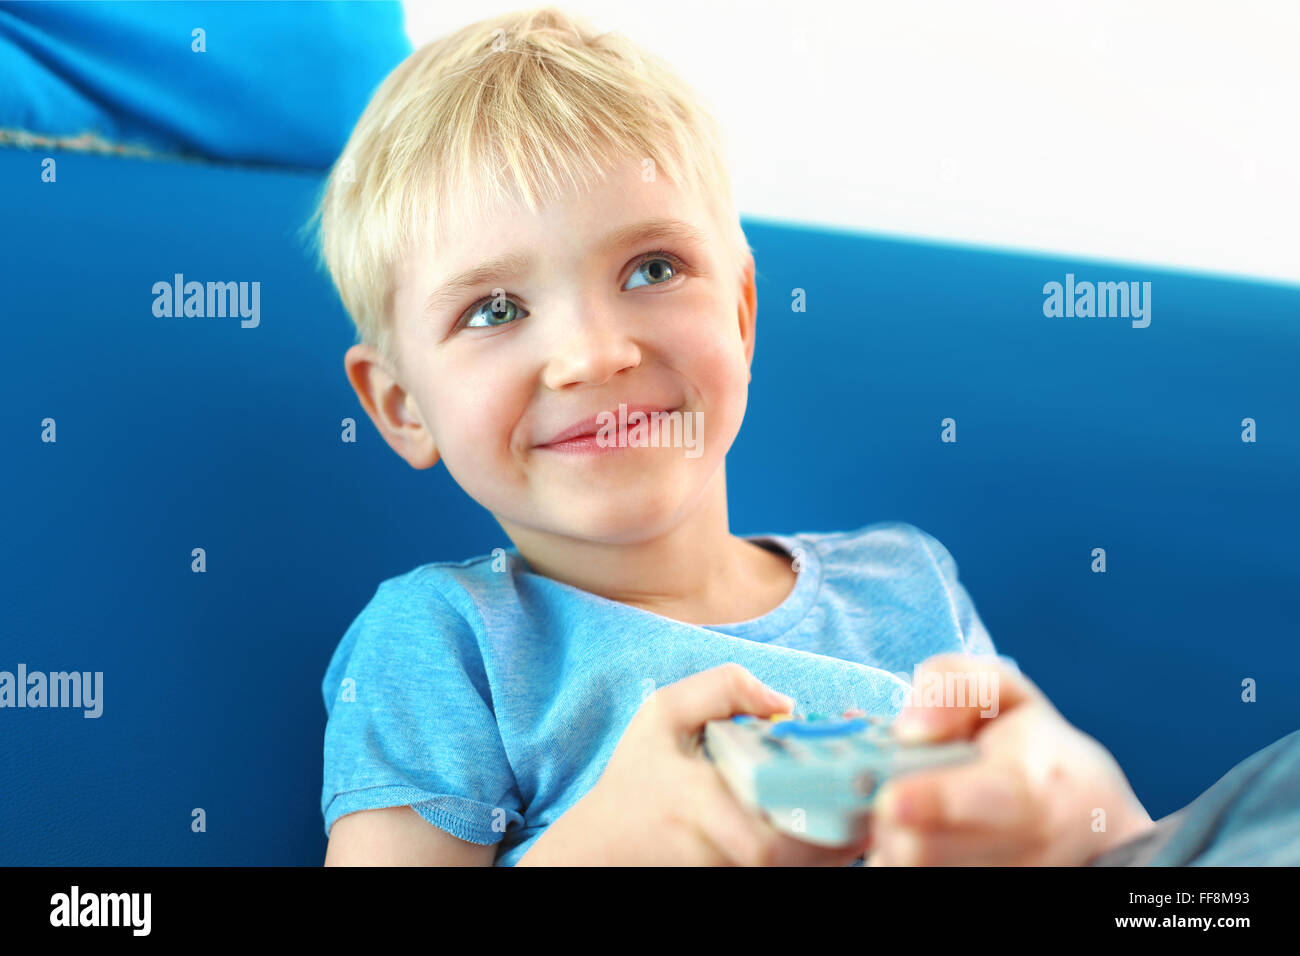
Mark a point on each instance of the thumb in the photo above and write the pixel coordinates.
(953, 695)
(717, 694)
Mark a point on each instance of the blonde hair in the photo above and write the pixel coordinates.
(529, 104)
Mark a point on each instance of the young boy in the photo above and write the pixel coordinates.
(532, 227)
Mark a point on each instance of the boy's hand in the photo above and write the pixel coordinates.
(1040, 792)
(660, 802)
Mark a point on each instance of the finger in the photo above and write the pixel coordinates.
(905, 846)
(745, 838)
(733, 830)
(978, 794)
(715, 694)
(953, 694)
(796, 852)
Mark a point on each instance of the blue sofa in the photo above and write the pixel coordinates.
(178, 433)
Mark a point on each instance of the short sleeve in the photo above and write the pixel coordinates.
(975, 638)
(411, 721)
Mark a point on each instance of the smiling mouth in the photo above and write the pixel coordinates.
(587, 443)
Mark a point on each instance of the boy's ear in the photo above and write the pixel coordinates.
(748, 310)
(390, 406)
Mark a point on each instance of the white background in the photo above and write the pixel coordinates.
(1160, 132)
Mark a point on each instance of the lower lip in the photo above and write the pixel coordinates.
(585, 445)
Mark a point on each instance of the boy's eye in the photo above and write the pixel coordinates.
(488, 315)
(656, 270)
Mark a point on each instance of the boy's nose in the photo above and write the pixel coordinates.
(589, 350)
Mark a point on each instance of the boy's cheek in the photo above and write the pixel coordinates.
(491, 480)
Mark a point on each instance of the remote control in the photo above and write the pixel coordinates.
(815, 776)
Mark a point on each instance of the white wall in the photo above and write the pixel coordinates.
(1160, 132)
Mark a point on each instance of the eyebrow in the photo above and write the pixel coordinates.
(514, 263)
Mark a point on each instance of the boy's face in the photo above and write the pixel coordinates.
(584, 323)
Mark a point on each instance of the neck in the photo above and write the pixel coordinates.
(696, 571)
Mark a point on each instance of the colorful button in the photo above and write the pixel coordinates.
(823, 728)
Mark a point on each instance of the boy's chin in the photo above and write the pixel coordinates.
(621, 523)
(614, 517)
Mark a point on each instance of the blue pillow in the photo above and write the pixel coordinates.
(275, 83)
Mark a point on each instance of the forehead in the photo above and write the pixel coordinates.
(581, 215)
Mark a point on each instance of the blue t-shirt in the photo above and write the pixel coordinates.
(489, 698)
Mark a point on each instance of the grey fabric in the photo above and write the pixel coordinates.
(1251, 817)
